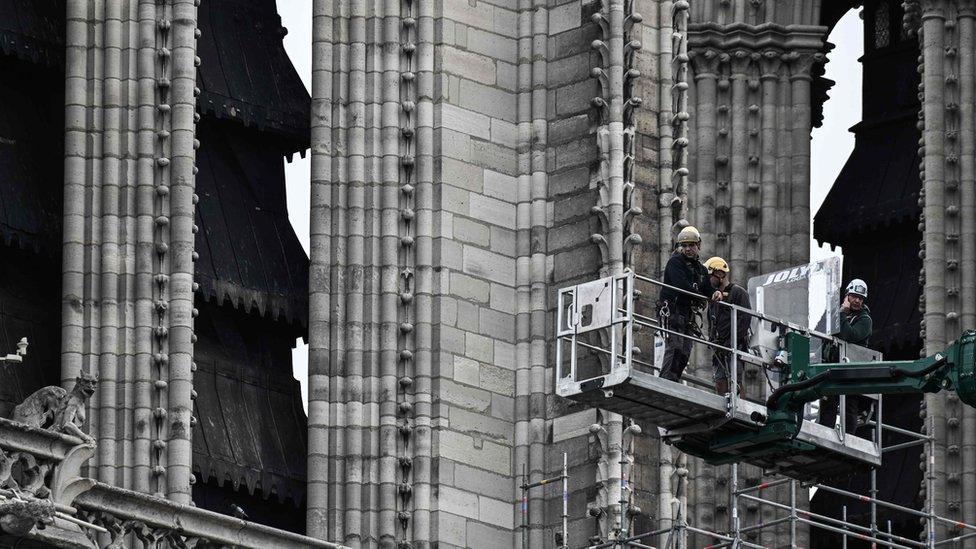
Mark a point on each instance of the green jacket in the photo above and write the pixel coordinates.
(856, 326)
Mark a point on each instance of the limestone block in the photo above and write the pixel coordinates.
(492, 210)
(565, 17)
(502, 298)
(451, 529)
(468, 318)
(505, 22)
(494, 102)
(467, 64)
(462, 120)
(500, 186)
(502, 407)
(506, 75)
(470, 231)
(478, 347)
(482, 536)
(492, 45)
(476, 452)
(497, 379)
(457, 501)
(503, 240)
(467, 371)
(573, 425)
(483, 482)
(472, 423)
(478, 15)
(496, 512)
(497, 325)
(466, 287)
(490, 266)
(504, 133)
(454, 199)
(464, 396)
(451, 340)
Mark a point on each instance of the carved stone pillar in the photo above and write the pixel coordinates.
(128, 233)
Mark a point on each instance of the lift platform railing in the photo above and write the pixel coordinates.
(598, 324)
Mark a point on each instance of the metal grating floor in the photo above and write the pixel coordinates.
(699, 414)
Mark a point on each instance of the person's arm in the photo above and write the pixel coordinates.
(740, 297)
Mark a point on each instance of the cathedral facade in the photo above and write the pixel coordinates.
(469, 158)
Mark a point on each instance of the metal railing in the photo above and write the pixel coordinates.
(791, 513)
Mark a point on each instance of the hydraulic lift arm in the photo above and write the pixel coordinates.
(953, 369)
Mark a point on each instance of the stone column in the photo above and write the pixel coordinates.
(129, 162)
(946, 38)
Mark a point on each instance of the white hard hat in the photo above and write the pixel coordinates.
(857, 287)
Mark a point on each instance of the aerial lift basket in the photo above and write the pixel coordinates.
(598, 364)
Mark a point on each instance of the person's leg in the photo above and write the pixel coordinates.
(851, 412)
(720, 373)
(676, 351)
(828, 411)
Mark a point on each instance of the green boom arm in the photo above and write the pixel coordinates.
(952, 369)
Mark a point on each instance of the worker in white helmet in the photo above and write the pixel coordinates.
(855, 327)
(677, 310)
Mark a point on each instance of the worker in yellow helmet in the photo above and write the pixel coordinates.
(683, 275)
(720, 323)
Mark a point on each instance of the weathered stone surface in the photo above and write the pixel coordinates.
(467, 230)
(482, 482)
(481, 536)
(502, 298)
(496, 512)
(564, 17)
(467, 371)
(466, 287)
(478, 347)
(464, 396)
(477, 452)
(489, 266)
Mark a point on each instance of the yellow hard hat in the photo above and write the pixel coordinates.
(689, 235)
(716, 264)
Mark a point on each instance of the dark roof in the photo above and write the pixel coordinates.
(878, 186)
(31, 134)
(249, 253)
(33, 30)
(251, 427)
(245, 74)
(890, 265)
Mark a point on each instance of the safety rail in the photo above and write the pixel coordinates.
(600, 362)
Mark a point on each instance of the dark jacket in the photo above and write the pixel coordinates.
(689, 275)
(856, 326)
(720, 317)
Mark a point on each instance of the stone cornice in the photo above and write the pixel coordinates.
(798, 38)
(188, 521)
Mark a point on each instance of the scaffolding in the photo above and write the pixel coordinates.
(603, 333)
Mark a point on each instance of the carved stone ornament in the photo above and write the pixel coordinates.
(55, 409)
(40, 457)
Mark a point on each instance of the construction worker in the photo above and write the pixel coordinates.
(855, 327)
(677, 310)
(720, 323)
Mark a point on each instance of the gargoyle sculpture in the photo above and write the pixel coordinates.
(55, 409)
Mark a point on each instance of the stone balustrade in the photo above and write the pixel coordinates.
(46, 501)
